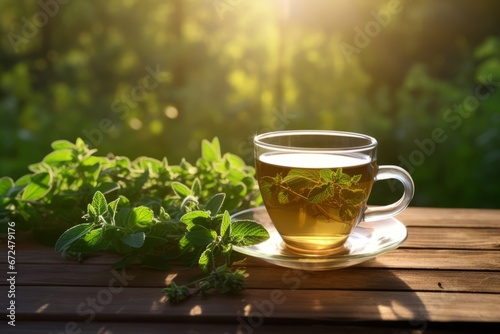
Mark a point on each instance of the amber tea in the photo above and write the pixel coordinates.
(315, 199)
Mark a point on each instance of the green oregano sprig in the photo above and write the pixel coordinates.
(145, 210)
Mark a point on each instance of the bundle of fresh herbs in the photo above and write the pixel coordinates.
(145, 210)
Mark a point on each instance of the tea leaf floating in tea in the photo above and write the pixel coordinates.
(323, 188)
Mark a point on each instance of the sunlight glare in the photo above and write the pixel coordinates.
(196, 310)
(171, 112)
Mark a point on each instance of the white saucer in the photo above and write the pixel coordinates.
(366, 242)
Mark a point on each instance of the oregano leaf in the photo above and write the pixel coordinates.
(195, 217)
(215, 203)
(62, 144)
(210, 151)
(39, 186)
(90, 242)
(225, 227)
(99, 203)
(180, 189)
(112, 209)
(59, 157)
(140, 216)
(200, 236)
(91, 212)
(247, 232)
(6, 183)
(135, 240)
(204, 260)
(70, 235)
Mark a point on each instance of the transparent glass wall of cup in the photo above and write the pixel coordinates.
(315, 186)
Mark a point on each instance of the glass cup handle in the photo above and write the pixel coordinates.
(386, 211)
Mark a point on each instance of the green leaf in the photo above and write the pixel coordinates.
(180, 189)
(135, 240)
(248, 232)
(122, 217)
(89, 243)
(23, 180)
(112, 209)
(195, 217)
(140, 216)
(225, 227)
(215, 203)
(235, 161)
(348, 211)
(204, 260)
(164, 216)
(283, 197)
(320, 193)
(235, 175)
(91, 212)
(354, 196)
(6, 183)
(302, 179)
(200, 236)
(40, 185)
(71, 235)
(211, 151)
(99, 203)
(92, 239)
(62, 144)
(59, 157)
(196, 188)
(355, 179)
(326, 175)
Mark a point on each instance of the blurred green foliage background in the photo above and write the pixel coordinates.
(154, 77)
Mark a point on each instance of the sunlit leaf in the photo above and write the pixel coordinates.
(140, 216)
(62, 145)
(215, 203)
(181, 189)
(71, 235)
(38, 187)
(99, 203)
(6, 183)
(59, 157)
(248, 232)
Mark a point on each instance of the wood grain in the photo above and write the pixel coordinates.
(446, 273)
(146, 304)
(273, 277)
(447, 217)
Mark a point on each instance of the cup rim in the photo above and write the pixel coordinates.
(371, 145)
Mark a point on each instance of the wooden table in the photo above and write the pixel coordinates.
(444, 278)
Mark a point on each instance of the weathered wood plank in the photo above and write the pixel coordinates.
(147, 304)
(271, 278)
(450, 217)
(437, 259)
(418, 237)
(453, 238)
(402, 258)
(423, 259)
(60, 327)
